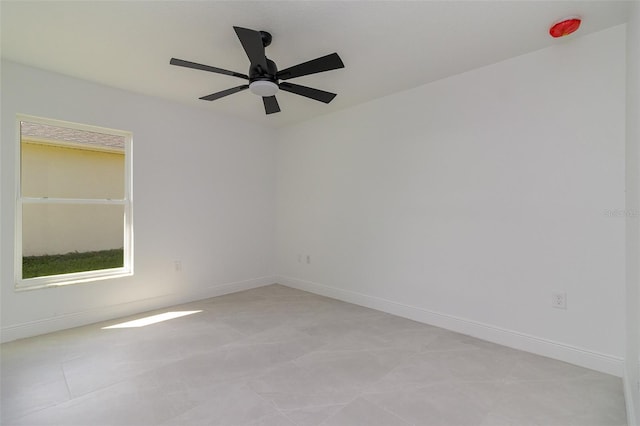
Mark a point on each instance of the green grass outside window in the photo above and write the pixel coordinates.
(40, 266)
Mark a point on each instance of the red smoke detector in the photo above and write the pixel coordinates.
(564, 27)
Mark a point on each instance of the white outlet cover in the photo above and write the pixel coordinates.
(559, 300)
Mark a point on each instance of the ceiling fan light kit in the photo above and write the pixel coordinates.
(264, 77)
(263, 88)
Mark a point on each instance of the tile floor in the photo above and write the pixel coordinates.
(279, 356)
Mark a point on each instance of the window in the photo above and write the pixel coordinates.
(74, 213)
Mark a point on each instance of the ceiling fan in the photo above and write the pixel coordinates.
(264, 77)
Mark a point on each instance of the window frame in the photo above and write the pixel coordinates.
(49, 281)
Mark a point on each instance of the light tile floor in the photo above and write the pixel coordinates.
(279, 356)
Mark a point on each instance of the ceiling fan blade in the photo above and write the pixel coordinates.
(324, 63)
(309, 92)
(222, 94)
(187, 64)
(252, 43)
(270, 104)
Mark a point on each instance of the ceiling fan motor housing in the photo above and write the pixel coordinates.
(257, 73)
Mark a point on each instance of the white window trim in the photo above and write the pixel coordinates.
(77, 277)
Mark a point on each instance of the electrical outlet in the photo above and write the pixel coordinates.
(177, 265)
(308, 259)
(559, 300)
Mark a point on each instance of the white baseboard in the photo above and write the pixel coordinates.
(583, 357)
(77, 319)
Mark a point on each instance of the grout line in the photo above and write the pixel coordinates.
(66, 382)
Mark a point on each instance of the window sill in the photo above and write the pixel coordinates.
(70, 279)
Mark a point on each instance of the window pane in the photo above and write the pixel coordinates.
(60, 162)
(65, 238)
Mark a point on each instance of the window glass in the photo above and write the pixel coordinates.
(86, 165)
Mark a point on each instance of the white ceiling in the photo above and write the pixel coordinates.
(387, 47)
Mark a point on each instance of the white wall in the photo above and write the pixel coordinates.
(468, 201)
(203, 194)
(632, 356)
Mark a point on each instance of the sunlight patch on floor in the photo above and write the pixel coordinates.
(153, 319)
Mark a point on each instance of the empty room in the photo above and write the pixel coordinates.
(320, 213)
